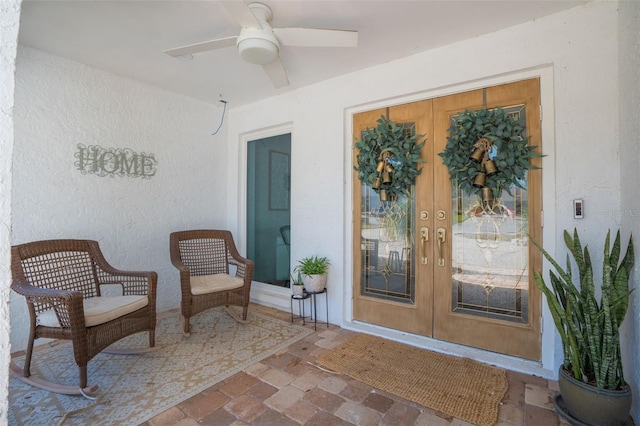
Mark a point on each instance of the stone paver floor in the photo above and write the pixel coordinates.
(287, 389)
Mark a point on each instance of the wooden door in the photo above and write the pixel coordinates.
(463, 289)
(485, 296)
(392, 288)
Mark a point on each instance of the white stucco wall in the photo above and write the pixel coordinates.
(60, 104)
(199, 182)
(629, 213)
(576, 53)
(9, 24)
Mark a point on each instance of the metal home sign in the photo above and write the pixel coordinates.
(94, 159)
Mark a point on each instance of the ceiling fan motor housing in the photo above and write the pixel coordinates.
(258, 45)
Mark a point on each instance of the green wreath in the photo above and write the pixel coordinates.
(388, 158)
(487, 149)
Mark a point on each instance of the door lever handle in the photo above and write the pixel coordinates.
(424, 237)
(441, 238)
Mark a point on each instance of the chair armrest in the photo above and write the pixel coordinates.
(179, 265)
(174, 253)
(42, 295)
(238, 260)
(141, 283)
(67, 304)
(138, 283)
(244, 267)
(185, 276)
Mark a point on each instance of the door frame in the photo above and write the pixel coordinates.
(552, 350)
(262, 293)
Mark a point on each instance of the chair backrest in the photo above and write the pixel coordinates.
(204, 252)
(56, 264)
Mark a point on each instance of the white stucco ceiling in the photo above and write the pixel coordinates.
(128, 37)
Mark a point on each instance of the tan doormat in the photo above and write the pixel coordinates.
(135, 388)
(460, 387)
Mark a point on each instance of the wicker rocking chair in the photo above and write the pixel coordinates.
(63, 282)
(205, 259)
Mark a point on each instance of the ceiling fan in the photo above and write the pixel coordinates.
(259, 43)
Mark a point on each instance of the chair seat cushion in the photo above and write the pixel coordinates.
(205, 284)
(99, 310)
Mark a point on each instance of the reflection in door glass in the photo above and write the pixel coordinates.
(386, 245)
(490, 257)
(490, 253)
(268, 208)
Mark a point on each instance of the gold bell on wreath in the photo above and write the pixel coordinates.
(377, 183)
(490, 167)
(386, 177)
(487, 195)
(384, 195)
(480, 180)
(477, 155)
(380, 166)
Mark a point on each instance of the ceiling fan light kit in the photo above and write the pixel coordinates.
(259, 44)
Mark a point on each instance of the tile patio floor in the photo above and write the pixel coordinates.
(285, 389)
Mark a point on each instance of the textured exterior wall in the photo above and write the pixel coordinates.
(579, 46)
(629, 53)
(60, 104)
(9, 24)
(71, 104)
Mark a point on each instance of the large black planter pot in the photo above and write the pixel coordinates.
(592, 406)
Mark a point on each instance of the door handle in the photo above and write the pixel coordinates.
(424, 237)
(441, 237)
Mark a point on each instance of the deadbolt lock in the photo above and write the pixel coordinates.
(441, 215)
(424, 215)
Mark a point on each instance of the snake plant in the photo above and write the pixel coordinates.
(588, 329)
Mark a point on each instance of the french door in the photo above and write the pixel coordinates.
(434, 264)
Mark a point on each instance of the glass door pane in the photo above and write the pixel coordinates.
(490, 251)
(490, 257)
(268, 208)
(386, 246)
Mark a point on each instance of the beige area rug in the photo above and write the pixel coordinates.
(460, 387)
(135, 388)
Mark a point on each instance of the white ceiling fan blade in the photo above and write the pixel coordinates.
(202, 47)
(312, 37)
(238, 12)
(277, 74)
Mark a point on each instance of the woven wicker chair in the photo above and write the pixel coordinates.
(204, 258)
(63, 282)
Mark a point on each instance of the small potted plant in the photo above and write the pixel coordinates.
(314, 273)
(297, 287)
